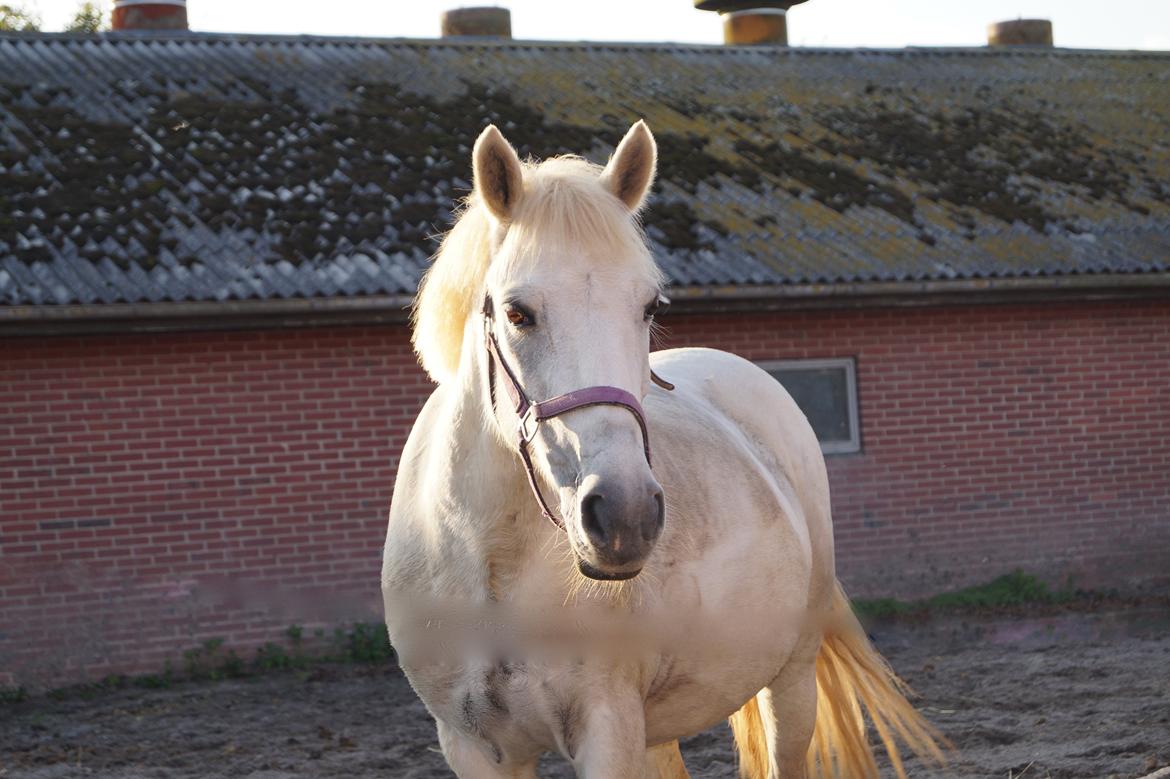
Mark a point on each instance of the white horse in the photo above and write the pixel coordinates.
(720, 556)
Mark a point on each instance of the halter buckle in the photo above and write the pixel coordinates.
(527, 419)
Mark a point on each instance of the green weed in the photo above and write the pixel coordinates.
(1013, 589)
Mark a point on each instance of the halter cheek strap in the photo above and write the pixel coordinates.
(530, 414)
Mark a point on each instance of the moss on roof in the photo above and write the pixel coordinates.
(196, 167)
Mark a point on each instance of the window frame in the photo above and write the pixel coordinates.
(853, 445)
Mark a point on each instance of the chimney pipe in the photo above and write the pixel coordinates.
(131, 15)
(752, 22)
(1020, 32)
(480, 22)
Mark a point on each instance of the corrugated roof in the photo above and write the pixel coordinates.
(203, 167)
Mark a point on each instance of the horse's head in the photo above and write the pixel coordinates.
(569, 291)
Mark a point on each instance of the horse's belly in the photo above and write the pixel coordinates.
(733, 632)
(698, 687)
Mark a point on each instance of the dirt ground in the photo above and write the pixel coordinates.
(1022, 698)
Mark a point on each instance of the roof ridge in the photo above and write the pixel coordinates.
(172, 36)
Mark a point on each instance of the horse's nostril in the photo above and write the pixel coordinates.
(651, 529)
(592, 519)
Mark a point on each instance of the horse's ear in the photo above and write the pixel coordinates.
(630, 171)
(498, 177)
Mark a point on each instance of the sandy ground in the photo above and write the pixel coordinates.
(1025, 698)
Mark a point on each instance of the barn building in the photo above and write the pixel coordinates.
(957, 259)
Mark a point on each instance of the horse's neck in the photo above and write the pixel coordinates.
(488, 517)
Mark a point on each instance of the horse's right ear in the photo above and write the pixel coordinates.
(499, 180)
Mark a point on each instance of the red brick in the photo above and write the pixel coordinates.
(994, 437)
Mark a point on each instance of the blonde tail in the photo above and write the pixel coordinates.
(747, 725)
(851, 675)
(852, 678)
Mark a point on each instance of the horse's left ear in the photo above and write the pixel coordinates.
(630, 171)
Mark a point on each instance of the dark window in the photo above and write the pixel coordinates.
(826, 391)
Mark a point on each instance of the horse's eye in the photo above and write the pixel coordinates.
(518, 316)
(656, 306)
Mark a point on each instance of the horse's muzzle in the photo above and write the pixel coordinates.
(620, 528)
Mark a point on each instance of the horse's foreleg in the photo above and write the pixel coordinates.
(665, 762)
(610, 739)
(474, 759)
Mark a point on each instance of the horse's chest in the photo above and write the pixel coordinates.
(517, 709)
(520, 709)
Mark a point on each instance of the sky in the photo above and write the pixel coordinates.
(1108, 24)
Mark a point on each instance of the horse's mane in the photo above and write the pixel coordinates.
(563, 203)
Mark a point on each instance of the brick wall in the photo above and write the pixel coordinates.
(157, 491)
(993, 437)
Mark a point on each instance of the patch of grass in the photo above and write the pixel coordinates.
(272, 657)
(361, 642)
(92, 689)
(294, 633)
(10, 695)
(155, 681)
(365, 642)
(210, 660)
(1013, 589)
(880, 608)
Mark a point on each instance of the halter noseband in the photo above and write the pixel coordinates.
(530, 414)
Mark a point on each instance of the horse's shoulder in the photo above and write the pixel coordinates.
(418, 449)
(427, 422)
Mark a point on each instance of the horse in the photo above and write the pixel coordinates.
(679, 497)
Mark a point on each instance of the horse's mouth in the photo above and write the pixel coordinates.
(590, 572)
